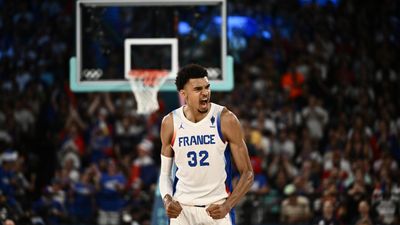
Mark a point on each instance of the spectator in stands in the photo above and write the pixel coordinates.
(143, 173)
(281, 162)
(101, 141)
(357, 192)
(24, 184)
(384, 139)
(69, 173)
(260, 185)
(295, 209)
(309, 151)
(364, 213)
(72, 136)
(385, 162)
(337, 167)
(8, 181)
(293, 82)
(361, 127)
(110, 187)
(81, 199)
(275, 196)
(315, 118)
(8, 211)
(48, 208)
(328, 215)
(358, 147)
(24, 118)
(128, 133)
(387, 209)
(284, 145)
(303, 186)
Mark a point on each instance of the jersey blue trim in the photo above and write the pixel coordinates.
(228, 181)
(176, 179)
(228, 168)
(175, 113)
(232, 215)
(219, 127)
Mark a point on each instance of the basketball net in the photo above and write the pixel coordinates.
(145, 85)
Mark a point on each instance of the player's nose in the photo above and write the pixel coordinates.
(205, 93)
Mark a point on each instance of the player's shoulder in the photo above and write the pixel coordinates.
(227, 116)
(167, 128)
(167, 120)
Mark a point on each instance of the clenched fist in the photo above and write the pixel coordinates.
(172, 208)
(217, 211)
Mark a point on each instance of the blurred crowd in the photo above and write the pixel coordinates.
(319, 108)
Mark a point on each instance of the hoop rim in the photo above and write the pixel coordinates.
(149, 77)
(138, 73)
(145, 84)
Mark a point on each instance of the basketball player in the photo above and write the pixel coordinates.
(200, 137)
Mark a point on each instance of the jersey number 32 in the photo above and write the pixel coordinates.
(200, 158)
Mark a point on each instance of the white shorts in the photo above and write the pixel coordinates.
(197, 215)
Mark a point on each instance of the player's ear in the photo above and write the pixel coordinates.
(182, 93)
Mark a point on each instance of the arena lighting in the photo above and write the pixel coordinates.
(267, 35)
(248, 25)
(184, 28)
(319, 2)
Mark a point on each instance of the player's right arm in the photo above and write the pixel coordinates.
(172, 208)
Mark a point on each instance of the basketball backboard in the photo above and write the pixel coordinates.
(113, 37)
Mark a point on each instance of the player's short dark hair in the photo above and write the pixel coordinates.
(190, 71)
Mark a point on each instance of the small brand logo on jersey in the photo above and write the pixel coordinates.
(181, 126)
(212, 122)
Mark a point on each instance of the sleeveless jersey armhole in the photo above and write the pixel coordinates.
(174, 131)
(219, 127)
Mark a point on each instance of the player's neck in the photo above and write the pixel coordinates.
(194, 115)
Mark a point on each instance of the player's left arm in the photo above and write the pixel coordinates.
(233, 133)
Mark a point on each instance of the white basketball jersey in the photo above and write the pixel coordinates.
(203, 174)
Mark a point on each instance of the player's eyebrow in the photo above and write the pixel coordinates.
(197, 88)
(200, 87)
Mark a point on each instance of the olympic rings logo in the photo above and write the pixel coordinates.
(214, 73)
(92, 74)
